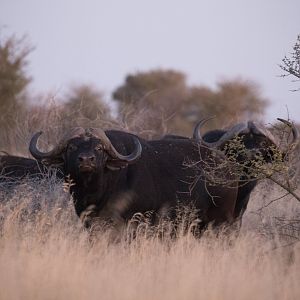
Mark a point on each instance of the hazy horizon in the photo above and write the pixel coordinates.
(101, 42)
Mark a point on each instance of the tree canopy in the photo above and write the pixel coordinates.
(167, 103)
(13, 78)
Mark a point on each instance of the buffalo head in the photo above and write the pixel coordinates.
(256, 139)
(85, 151)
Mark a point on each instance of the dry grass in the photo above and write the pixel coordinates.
(45, 254)
(55, 122)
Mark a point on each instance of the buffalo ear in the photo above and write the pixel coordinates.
(115, 164)
(112, 168)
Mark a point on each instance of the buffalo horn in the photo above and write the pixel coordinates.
(36, 153)
(293, 127)
(197, 133)
(111, 150)
(235, 130)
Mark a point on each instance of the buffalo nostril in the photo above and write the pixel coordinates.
(86, 158)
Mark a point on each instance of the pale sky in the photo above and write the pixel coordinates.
(99, 42)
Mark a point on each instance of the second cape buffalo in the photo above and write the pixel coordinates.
(256, 140)
(13, 169)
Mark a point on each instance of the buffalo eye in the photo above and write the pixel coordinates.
(72, 148)
(99, 148)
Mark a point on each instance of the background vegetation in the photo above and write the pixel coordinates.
(150, 103)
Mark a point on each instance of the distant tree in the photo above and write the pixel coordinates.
(161, 102)
(291, 65)
(232, 101)
(13, 79)
(85, 101)
(149, 87)
(151, 100)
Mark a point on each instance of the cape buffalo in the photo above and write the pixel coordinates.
(256, 139)
(117, 172)
(14, 168)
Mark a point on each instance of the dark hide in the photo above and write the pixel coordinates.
(252, 142)
(15, 168)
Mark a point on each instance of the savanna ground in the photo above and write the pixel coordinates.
(46, 254)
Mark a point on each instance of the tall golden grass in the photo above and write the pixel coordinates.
(46, 254)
